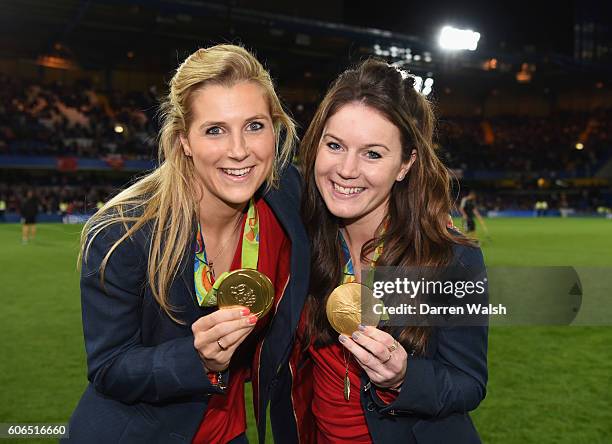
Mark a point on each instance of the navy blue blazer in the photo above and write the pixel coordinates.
(146, 380)
(439, 390)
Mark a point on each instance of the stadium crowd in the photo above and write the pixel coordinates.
(580, 200)
(61, 197)
(74, 120)
(59, 193)
(55, 199)
(57, 119)
(528, 144)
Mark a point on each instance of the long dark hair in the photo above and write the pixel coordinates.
(416, 232)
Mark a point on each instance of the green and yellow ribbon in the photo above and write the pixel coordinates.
(206, 290)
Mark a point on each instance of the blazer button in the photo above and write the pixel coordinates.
(370, 406)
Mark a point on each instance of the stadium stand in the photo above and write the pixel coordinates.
(70, 130)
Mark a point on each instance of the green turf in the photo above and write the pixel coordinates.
(547, 384)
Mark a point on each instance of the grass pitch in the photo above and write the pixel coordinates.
(546, 384)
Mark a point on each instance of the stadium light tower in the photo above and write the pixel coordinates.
(455, 39)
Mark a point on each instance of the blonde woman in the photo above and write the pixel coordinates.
(164, 363)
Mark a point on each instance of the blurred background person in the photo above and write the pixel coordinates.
(29, 212)
(469, 213)
(2, 208)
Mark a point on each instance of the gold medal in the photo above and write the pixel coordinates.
(248, 288)
(344, 308)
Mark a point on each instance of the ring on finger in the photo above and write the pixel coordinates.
(393, 346)
(220, 345)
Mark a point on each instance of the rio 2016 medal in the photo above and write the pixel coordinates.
(344, 308)
(248, 288)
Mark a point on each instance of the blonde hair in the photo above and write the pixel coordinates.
(166, 197)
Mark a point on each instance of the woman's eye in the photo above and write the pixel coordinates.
(255, 126)
(333, 146)
(373, 155)
(214, 130)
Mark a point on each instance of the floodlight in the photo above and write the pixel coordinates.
(458, 39)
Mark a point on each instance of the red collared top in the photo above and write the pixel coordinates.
(225, 416)
(337, 420)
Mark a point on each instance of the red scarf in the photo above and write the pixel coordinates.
(225, 417)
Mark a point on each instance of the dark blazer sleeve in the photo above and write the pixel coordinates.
(454, 379)
(119, 365)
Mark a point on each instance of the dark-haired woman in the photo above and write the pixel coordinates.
(376, 193)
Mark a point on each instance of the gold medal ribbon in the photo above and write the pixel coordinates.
(206, 290)
(348, 271)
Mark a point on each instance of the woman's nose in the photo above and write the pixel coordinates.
(348, 167)
(238, 149)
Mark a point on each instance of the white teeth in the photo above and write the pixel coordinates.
(343, 190)
(237, 172)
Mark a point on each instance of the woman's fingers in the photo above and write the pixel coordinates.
(361, 354)
(217, 335)
(225, 328)
(378, 335)
(387, 351)
(209, 321)
(217, 358)
(363, 357)
(210, 336)
(384, 360)
(376, 348)
(235, 338)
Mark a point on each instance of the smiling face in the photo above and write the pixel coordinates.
(359, 158)
(231, 140)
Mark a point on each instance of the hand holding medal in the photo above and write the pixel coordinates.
(383, 358)
(377, 352)
(349, 312)
(217, 335)
(243, 296)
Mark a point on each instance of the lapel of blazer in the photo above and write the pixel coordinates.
(279, 338)
(293, 301)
